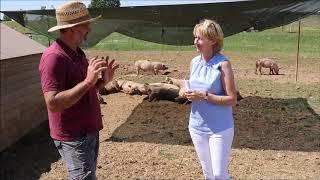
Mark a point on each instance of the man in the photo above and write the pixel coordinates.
(69, 83)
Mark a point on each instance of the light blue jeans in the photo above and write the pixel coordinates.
(80, 156)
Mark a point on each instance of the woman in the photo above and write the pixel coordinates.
(211, 89)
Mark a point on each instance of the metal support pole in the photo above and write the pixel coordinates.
(298, 49)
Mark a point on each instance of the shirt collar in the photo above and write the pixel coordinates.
(214, 60)
(70, 52)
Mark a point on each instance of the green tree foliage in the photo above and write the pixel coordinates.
(104, 3)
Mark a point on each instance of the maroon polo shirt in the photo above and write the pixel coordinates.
(61, 69)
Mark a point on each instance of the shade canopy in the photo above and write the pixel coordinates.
(173, 24)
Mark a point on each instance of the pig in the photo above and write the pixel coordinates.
(132, 88)
(163, 85)
(164, 91)
(149, 66)
(160, 93)
(267, 63)
(177, 82)
(111, 87)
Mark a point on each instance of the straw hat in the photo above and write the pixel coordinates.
(72, 14)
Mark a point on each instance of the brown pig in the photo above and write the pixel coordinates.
(149, 66)
(267, 63)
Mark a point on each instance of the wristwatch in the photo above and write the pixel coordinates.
(206, 96)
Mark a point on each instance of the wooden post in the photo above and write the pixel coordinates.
(298, 49)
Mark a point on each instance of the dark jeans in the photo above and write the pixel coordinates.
(80, 156)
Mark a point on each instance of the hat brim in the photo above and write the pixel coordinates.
(72, 25)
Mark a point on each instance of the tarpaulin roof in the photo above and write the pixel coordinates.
(173, 24)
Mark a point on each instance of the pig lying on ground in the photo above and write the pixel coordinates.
(160, 93)
(111, 87)
(177, 82)
(267, 63)
(163, 91)
(132, 88)
(149, 66)
(163, 85)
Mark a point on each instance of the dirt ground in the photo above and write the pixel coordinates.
(276, 135)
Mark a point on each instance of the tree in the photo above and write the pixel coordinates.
(104, 3)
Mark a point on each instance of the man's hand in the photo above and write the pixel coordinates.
(95, 67)
(108, 73)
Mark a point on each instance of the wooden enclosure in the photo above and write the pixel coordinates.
(22, 104)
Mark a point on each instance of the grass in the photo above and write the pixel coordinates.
(274, 41)
(119, 42)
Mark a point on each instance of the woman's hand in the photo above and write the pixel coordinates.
(182, 92)
(195, 95)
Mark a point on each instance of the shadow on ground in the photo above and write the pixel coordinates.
(29, 157)
(260, 123)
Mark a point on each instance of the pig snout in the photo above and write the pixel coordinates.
(164, 67)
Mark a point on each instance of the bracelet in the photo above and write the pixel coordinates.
(220, 99)
(206, 96)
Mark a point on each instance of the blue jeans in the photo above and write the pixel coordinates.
(80, 156)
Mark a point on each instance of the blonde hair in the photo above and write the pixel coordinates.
(210, 30)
